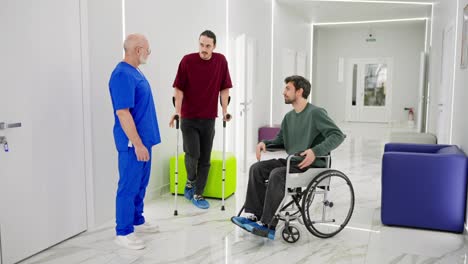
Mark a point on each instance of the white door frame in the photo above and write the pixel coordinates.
(244, 77)
(445, 88)
(87, 117)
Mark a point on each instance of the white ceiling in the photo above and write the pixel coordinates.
(346, 11)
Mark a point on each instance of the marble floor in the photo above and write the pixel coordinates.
(208, 236)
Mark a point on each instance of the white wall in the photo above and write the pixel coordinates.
(403, 41)
(291, 32)
(172, 28)
(460, 124)
(253, 18)
(105, 51)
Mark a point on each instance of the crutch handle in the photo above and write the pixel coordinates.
(228, 117)
(176, 116)
(177, 119)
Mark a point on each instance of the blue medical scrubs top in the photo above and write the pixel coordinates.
(130, 89)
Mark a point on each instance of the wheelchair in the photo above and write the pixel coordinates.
(321, 199)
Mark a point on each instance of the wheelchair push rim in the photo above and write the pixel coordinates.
(328, 204)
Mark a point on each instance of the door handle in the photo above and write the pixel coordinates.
(246, 103)
(4, 142)
(4, 125)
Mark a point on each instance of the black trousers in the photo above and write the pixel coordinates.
(198, 137)
(264, 199)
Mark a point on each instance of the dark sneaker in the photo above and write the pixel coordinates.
(188, 192)
(200, 202)
(241, 221)
(264, 231)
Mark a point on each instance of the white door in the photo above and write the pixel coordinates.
(42, 181)
(446, 87)
(244, 72)
(369, 86)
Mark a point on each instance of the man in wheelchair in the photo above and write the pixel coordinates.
(306, 129)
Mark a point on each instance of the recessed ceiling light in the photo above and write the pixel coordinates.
(371, 21)
(376, 2)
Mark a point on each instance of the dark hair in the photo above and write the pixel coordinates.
(209, 34)
(299, 82)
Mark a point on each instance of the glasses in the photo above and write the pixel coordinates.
(147, 50)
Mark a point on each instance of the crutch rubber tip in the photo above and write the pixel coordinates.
(222, 208)
(175, 212)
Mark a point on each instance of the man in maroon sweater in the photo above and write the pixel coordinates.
(201, 78)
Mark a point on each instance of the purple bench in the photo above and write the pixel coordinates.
(268, 132)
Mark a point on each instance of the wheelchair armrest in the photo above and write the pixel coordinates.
(274, 147)
(298, 154)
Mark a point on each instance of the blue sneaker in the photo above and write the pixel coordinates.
(251, 226)
(200, 202)
(264, 231)
(243, 221)
(188, 192)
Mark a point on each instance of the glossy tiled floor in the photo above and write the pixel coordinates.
(208, 236)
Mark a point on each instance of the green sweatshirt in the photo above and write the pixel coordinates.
(311, 128)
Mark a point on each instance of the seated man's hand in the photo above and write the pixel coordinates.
(260, 148)
(173, 118)
(308, 160)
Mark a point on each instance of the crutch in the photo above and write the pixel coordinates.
(228, 116)
(176, 176)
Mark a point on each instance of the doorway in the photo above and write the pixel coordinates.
(368, 90)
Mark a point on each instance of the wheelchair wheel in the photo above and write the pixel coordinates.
(328, 203)
(290, 234)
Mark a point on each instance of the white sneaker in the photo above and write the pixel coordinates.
(147, 227)
(130, 241)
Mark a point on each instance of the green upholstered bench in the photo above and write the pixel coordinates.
(213, 187)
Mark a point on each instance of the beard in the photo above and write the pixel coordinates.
(288, 101)
(143, 60)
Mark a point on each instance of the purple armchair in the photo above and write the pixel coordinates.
(424, 186)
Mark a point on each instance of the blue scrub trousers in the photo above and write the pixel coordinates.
(134, 178)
